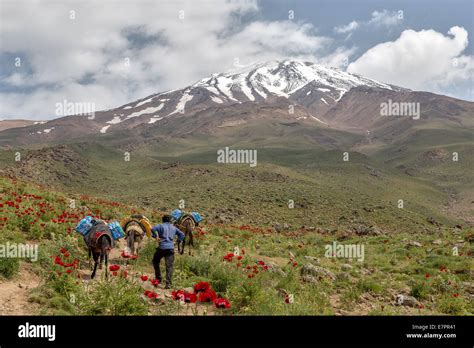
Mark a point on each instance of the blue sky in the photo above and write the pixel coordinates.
(115, 51)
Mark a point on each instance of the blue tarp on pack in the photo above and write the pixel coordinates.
(176, 214)
(85, 225)
(116, 230)
(196, 216)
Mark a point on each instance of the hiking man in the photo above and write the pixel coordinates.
(166, 233)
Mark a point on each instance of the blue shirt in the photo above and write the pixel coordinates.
(166, 232)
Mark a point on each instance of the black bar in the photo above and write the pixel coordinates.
(228, 330)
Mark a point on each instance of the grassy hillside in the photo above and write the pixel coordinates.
(326, 192)
(272, 268)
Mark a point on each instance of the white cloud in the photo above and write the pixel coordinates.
(426, 60)
(386, 18)
(378, 19)
(343, 29)
(84, 59)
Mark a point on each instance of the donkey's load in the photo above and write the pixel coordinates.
(141, 220)
(86, 224)
(116, 230)
(178, 216)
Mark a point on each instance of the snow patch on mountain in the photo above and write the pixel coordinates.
(154, 119)
(143, 102)
(216, 100)
(182, 102)
(317, 119)
(115, 120)
(148, 110)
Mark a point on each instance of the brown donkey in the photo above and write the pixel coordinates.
(186, 225)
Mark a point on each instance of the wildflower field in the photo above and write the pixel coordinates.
(233, 269)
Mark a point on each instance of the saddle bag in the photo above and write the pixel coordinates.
(196, 216)
(85, 225)
(116, 230)
(176, 214)
(142, 220)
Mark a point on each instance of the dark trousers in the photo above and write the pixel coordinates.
(169, 260)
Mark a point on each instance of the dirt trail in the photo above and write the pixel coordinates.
(14, 293)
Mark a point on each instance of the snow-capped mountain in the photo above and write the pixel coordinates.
(319, 94)
(304, 83)
(283, 79)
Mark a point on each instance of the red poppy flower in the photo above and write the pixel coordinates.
(155, 282)
(58, 261)
(114, 273)
(124, 274)
(184, 296)
(228, 257)
(144, 278)
(114, 268)
(69, 271)
(239, 257)
(207, 296)
(201, 286)
(427, 275)
(455, 295)
(124, 255)
(221, 303)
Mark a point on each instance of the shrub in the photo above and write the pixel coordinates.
(369, 286)
(419, 290)
(9, 266)
(246, 296)
(115, 297)
(223, 277)
(199, 266)
(451, 305)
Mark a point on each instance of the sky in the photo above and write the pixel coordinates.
(111, 52)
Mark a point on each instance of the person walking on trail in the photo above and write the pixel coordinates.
(166, 232)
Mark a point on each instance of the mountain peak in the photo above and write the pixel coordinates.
(283, 78)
